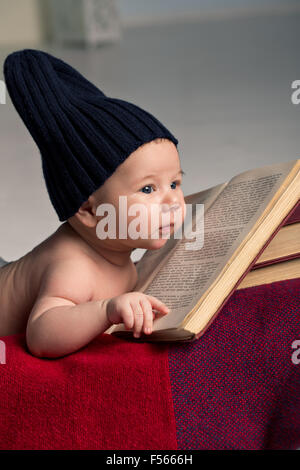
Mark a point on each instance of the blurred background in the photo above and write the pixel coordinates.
(217, 73)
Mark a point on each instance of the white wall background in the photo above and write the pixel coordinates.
(145, 11)
(26, 22)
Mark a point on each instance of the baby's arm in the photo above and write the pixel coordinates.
(63, 319)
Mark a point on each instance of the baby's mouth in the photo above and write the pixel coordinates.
(166, 228)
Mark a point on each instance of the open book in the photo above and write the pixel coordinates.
(241, 217)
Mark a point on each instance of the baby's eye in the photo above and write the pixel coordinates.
(148, 186)
(177, 183)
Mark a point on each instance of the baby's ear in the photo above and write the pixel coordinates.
(86, 213)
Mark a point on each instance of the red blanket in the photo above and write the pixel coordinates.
(237, 387)
(111, 394)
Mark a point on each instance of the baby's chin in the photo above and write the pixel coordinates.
(151, 243)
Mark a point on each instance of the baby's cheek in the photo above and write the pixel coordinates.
(138, 226)
(183, 209)
(180, 214)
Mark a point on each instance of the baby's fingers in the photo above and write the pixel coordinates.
(148, 315)
(128, 318)
(157, 304)
(138, 318)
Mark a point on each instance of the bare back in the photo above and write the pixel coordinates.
(21, 281)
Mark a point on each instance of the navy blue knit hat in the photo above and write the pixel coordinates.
(82, 135)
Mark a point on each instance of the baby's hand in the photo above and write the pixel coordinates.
(134, 309)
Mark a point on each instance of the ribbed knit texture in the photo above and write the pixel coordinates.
(82, 134)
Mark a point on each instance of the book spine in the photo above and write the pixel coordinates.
(294, 216)
(275, 260)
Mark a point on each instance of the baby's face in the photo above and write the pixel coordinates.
(150, 176)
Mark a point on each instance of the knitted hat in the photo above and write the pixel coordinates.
(82, 134)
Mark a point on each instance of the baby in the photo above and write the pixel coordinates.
(74, 285)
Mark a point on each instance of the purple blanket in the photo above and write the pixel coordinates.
(238, 387)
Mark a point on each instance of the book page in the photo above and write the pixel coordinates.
(188, 273)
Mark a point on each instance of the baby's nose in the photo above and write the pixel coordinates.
(170, 212)
(170, 207)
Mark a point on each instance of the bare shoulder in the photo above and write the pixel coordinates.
(70, 273)
(69, 277)
(63, 268)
